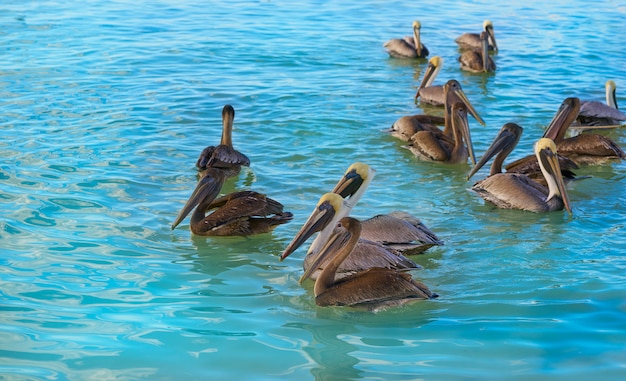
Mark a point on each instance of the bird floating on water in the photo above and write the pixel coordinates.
(517, 191)
(240, 213)
(372, 289)
(409, 46)
(478, 61)
(594, 113)
(472, 40)
(427, 92)
(223, 156)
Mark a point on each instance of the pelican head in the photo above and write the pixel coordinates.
(206, 191)
(502, 145)
(354, 182)
(453, 89)
(488, 27)
(417, 25)
(545, 150)
(432, 70)
(460, 123)
(565, 115)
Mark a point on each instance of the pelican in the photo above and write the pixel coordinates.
(427, 92)
(240, 213)
(430, 146)
(517, 191)
(594, 113)
(405, 127)
(384, 237)
(223, 156)
(478, 61)
(585, 148)
(408, 47)
(503, 145)
(472, 40)
(373, 289)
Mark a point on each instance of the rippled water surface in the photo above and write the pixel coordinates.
(105, 106)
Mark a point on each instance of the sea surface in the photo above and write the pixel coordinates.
(105, 106)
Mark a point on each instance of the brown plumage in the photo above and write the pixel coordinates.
(427, 92)
(409, 46)
(237, 214)
(583, 149)
(478, 61)
(223, 156)
(472, 40)
(372, 289)
(594, 113)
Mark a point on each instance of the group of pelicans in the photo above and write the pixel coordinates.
(364, 264)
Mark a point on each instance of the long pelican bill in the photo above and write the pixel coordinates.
(325, 212)
(354, 182)
(565, 115)
(460, 119)
(207, 190)
(545, 150)
(432, 70)
(461, 95)
(336, 240)
(505, 141)
(488, 27)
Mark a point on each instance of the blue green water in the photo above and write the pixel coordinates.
(105, 106)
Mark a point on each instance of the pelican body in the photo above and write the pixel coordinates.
(583, 149)
(372, 289)
(517, 191)
(478, 61)
(223, 156)
(407, 47)
(427, 92)
(472, 40)
(384, 238)
(240, 213)
(594, 113)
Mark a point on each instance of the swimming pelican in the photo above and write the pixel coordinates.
(516, 191)
(372, 289)
(406, 126)
(594, 113)
(585, 148)
(472, 40)
(430, 146)
(223, 156)
(503, 145)
(408, 47)
(427, 92)
(478, 61)
(384, 238)
(239, 213)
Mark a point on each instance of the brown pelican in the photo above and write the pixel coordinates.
(408, 47)
(516, 191)
(405, 127)
(223, 156)
(503, 145)
(239, 213)
(372, 289)
(478, 61)
(384, 237)
(430, 146)
(472, 40)
(427, 92)
(594, 113)
(585, 148)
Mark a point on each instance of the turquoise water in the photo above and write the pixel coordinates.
(105, 106)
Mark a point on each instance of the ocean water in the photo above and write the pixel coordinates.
(105, 106)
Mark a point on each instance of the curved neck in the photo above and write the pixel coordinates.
(326, 278)
(611, 97)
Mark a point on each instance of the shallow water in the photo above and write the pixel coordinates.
(104, 107)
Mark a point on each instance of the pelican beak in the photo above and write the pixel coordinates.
(324, 212)
(354, 182)
(336, 240)
(459, 118)
(207, 190)
(565, 115)
(491, 37)
(506, 139)
(548, 159)
(461, 94)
